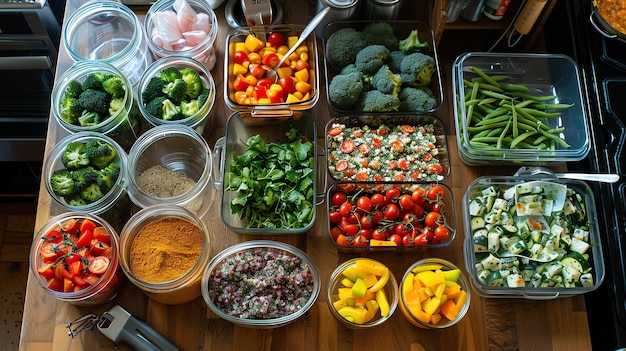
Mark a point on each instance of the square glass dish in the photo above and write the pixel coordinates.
(519, 109)
(251, 52)
(342, 41)
(267, 173)
(390, 216)
(531, 236)
(395, 148)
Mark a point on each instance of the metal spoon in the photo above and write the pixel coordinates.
(543, 259)
(271, 74)
(605, 177)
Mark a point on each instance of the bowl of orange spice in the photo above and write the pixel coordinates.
(163, 251)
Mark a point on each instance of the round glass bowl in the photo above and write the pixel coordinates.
(434, 294)
(199, 120)
(108, 31)
(163, 251)
(362, 293)
(163, 40)
(74, 257)
(123, 125)
(154, 158)
(113, 205)
(242, 283)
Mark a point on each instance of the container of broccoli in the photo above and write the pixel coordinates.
(95, 96)
(388, 67)
(177, 90)
(85, 172)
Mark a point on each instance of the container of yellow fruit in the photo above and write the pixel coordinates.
(434, 294)
(362, 293)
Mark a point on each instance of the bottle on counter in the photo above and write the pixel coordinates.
(495, 9)
(473, 10)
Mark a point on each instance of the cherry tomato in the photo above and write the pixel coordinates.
(346, 187)
(377, 216)
(420, 240)
(396, 239)
(432, 219)
(392, 194)
(288, 85)
(435, 169)
(442, 233)
(276, 39)
(428, 232)
(435, 192)
(408, 241)
(334, 216)
(364, 203)
(345, 209)
(403, 229)
(270, 59)
(70, 226)
(351, 229)
(435, 207)
(99, 265)
(102, 234)
(418, 196)
(338, 198)
(391, 212)
(240, 57)
(360, 240)
(335, 232)
(302, 64)
(343, 240)
(406, 202)
(366, 233)
(366, 222)
(53, 236)
(240, 83)
(418, 211)
(380, 234)
(378, 200)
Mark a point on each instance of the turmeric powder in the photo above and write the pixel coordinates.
(165, 249)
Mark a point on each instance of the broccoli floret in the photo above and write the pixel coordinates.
(194, 82)
(417, 69)
(176, 90)
(84, 176)
(155, 106)
(394, 61)
(94, 81)
(74, 156)
(153, 89)
(73, 89)
(189, 108)
(95, 101)
(75, 200)
(371, 58)
(349, 69)
(171, 111)
(71, 109)
(416, 99)
(412, 43)
(380, 33)
(108, 176)
(100, 152)
(114, 85)
(387, 82)
(169, 74)
(344, 90)
(92, 193)
(88, 118)
(115, 105)
(62, 182)
(342, 47)
(375, 101)
(203, 97)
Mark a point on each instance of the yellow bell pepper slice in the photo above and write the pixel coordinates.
(383, 303)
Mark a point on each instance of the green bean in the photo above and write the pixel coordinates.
(515, 124)
(495, 131)
(515, 87)
(473, 102)
(481, 128)
(487, 101)
(489, 121)
(551, 106)
(554, 138)
(497, 112)
(525, 96)
(495, 77)
(506, 129)
(540, 139)
(484, 76)
(470, 108)
(496, 95)
(521, 138)
(540, 113)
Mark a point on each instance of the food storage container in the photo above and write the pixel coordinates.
(122, 122)
(74, 257)
(196, 104)
(193, 37)
(171, 164)
(398, 148)
(352, 95)
(362, 293)
(531, 235)
(549, 125)
(230, 283)
(95, 185)
(167, 268)
(284, 197)
(446, 306)
(108, 31)
(254, 50)
(390, 216)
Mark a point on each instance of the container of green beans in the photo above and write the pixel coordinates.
(519, 109)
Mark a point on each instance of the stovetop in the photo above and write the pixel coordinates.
(603, 67)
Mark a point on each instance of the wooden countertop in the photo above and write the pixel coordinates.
(491, 324)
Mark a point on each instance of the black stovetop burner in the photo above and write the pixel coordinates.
(603, 69)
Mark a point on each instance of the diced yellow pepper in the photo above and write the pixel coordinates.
(355, 314)
(339, 304)
(284, 72)
(345, 293)
(435, 318)
(239, 69)
(383, 303)
(359, 288)
(371, 266)
(439, 288)
(291, 98)
(430, 305)
(292, 40)
(370, 280)
(302, 76)
(427, 267)
(407, 284)
(241, 46)
(298, 95)
(347, 282)
(381, 282)
(431, 278)
(254, 44)
(376, 242)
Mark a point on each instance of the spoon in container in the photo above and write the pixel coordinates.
(541, 259)
(271, 74)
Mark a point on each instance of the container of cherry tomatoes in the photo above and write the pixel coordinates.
(252, 52)
(383, 216)
(74, 257)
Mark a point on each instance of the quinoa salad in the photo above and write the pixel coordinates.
(399, 153)
(261, 284)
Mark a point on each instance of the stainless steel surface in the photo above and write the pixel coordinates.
(257, 12)
(341, 10)
(380, 9)
(604, 178)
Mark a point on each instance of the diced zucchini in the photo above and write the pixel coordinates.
(494, 279)
(583, 260)
(477, 223)
(572, 262)
(491, 263)
(476, 207)
(483, 274)
(581, 234)
(480, 242)
(493, 242)
(517, 247)
(586, 280)
(493, 217)
(491, 191)
(568, 207)
(553, 269)
(509, 262)
(500, 204)
(509, 194)
(579, 246)
(570, 275)
(524, 188)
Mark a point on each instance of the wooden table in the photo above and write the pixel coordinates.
(491, 324)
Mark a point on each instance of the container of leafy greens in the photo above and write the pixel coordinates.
(532, 235)
(267, 173)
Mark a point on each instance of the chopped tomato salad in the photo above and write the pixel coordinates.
(74, 255)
